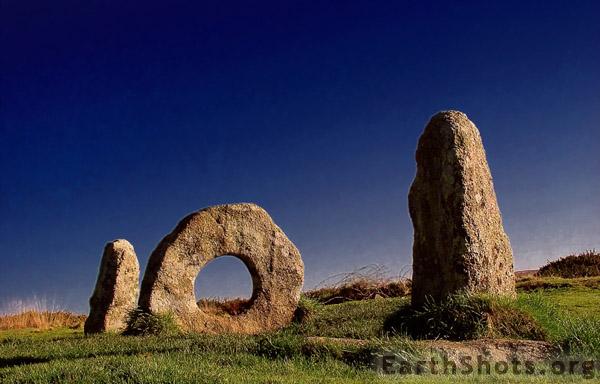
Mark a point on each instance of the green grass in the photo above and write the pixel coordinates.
(352, 319)
(569, 314)
(568, 309)
(533, 283)
(71, 357)
(576, 301)
(561, 314)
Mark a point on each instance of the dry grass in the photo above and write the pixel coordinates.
(231, 307)
(37, 313)
(369, 282)
(42, 320)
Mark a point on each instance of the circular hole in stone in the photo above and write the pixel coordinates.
(224, 287)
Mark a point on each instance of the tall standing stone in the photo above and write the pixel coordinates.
(459, 241)
(117, 288)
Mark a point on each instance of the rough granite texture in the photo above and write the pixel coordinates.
(459, 241)
(117, 288)
(242, 230)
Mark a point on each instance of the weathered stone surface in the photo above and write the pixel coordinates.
(242, 230)
(490, 350)
(459, 241)
(116, 290)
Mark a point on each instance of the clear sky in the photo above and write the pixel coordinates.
(118, 119)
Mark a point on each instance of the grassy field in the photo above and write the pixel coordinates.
(569, 310)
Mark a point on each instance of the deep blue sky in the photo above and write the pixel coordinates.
(119, 119)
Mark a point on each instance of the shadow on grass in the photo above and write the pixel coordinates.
(21, 360)
(27, 360)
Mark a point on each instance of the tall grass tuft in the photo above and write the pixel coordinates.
(143, 323)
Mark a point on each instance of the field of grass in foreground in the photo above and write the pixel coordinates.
(70, 357)
(569, 314)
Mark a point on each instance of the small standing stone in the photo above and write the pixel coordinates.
(459, 241)
(117, 288)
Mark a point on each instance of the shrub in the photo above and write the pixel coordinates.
(143, 323)
(585, 264)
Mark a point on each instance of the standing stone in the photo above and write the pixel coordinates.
(459, 241)
(116, 290)
(245, 231)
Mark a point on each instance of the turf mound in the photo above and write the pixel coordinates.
(465, 317)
